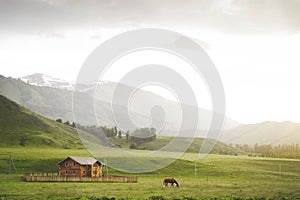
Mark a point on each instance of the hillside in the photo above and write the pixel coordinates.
(20, 126)
(263, 133)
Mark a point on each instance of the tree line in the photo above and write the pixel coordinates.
(274, 151)
(66, 123)
(135, 137)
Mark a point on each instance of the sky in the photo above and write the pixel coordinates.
(254, 45)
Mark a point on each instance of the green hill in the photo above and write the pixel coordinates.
(160, 142)
(20, 126)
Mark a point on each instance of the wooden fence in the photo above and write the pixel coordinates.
(54, 177)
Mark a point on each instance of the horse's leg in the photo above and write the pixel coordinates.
(167, 183)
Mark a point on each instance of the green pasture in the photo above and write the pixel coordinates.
(217, 176)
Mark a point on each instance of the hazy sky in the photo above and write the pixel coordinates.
(254, 44)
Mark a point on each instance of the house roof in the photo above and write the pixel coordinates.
(82, 160)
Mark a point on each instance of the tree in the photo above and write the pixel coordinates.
(132, 145)
(115, 131)
(59, 120)
(23, 140)
(143, 135)
(127, 136)
(120, 134)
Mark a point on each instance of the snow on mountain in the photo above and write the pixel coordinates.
(45, 80)
(38, 79)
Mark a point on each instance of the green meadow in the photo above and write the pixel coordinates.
(216, 177)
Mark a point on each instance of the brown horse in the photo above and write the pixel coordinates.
(170, 180)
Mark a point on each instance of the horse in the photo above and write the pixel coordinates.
(170, 180)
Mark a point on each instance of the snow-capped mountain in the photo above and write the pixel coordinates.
(57, 103)
(45, 80)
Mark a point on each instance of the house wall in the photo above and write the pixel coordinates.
(96, 170)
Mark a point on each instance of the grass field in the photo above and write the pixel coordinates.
(227, 177)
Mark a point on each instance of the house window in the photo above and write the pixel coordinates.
(95, 172)
(73, 171)
(66, 172)
(74, 163)
(66, 164)
(84, 172)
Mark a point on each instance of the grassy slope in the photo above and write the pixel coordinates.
(217, 176)
(219, 147)
(20, 126)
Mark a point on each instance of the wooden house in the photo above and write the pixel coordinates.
(80, 167)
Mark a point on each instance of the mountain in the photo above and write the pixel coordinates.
(57, 103)
(46, 101)
(48, 81)
(20, 126)
(263, 133)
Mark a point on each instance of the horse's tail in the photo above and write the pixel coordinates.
(164, 182)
